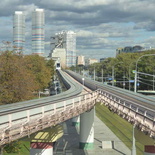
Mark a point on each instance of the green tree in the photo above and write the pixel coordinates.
(124, 64)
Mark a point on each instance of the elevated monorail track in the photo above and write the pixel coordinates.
(148, 102)
(72, 87)
(24, 118)
(136, 108)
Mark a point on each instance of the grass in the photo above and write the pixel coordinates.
(120, 127)
(25, 149)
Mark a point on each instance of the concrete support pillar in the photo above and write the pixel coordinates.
(149, 150)
(76, 121)
(40, 148)
(87, 130)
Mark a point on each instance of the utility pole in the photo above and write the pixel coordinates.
(94, 73)
(112, 75)
(133, 142)
(102, 75)
(135, 84)
(1, 150)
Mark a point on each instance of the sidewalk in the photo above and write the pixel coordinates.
(69, 143)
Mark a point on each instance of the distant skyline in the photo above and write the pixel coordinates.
(101, 25)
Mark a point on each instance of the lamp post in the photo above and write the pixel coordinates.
(153, 79)
(83, 82)
(133, 142)
(39, 94)
(112, 75)
(113, 72)
(124, 81)
(94, 73)
(130, 74)
(135, 84)
(102, 74)
(103, 67)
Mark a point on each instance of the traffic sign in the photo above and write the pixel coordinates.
(133, 71)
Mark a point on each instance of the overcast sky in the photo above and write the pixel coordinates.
(101, 25)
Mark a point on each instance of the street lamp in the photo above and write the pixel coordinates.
(102, 74)
(133, 142)
(153, 70)
(153, 78)
(102, 71)
(94, 73)
(113, 73)
(129, 74)
(83, 82)
(39, 94)
(135, 85)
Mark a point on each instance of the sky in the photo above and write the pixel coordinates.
(101, 26)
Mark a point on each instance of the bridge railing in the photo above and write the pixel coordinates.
(25, 122)
(143, 117)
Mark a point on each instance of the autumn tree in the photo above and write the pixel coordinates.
(50, 65)
(16, 81)
(37, 66)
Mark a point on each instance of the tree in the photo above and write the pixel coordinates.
(50, 65)
(124, 64)
(17, 83)
(38, 67)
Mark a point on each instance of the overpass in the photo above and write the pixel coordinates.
(25, 118)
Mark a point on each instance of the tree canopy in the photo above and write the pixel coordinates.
(123, 66)
(21, 76)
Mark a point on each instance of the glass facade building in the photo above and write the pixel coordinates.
(70, 45)
(66, 40)
(38, 23)
(19, 31)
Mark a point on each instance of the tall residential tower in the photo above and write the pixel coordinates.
(70, 45)
(38, 24)
(19, 31)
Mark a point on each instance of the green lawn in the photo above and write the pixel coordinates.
(119, 126)
(25, 149)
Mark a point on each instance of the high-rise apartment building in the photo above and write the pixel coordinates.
(70, 45)
(19, 31)
(38, 23)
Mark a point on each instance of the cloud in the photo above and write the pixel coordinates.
(100, 24)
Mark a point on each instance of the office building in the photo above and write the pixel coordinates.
(130, 49)
(70, 45)
(60, 54)
(19, 31)
(92, 61)
(65, 40)
(81, 60)
(38, 24)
